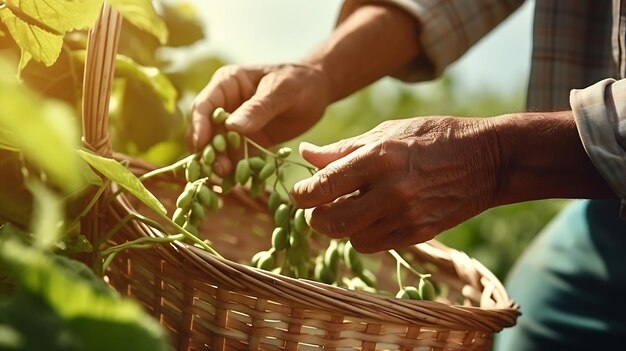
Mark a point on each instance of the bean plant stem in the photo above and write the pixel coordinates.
(399, 275)
(109, 233)
(141, 243)
(171, 168)
(402, 261)
(91, 203)
(268, 152)
(130, 216)
(191, 237)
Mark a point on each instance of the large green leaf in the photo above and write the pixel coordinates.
(134, 108)
(44, 130)
(141, 13)
(28, 323)
(34, 42)
(63, 80)
(98, 319)
(5, 141)
(122, 176)
(183, 24)
(15, 199)
(151, 77)
(193, 75)
(57, 16)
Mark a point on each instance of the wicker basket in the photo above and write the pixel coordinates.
(206, 302)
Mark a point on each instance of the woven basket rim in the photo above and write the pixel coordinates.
(499, 314)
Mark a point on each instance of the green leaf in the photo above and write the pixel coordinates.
(5, 143)
(159, 83)
(141, 13)
(114, 171)
(48, 216)
(135, 108)
(15, 199)
(163, 153)
(151, 76)
(33, 41)
(73, 244)
(193, 75)
(57, 16)
(63, 80)
(98, 319)
(44, 131)
(28, 323)
(88, 175)
(183, 24)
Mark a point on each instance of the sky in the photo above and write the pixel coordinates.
(278, 31)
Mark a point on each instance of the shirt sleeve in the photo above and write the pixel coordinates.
(600, 115)
(448, 28)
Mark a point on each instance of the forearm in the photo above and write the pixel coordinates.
(542, 157)
(375, 41)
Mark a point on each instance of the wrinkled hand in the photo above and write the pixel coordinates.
(269, 104)
(409, 180)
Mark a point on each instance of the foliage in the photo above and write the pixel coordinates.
(61, 305)
(49, 301)
(32, 127)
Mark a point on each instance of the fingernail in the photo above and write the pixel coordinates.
(298, 185)
(305, 146)
(238, 121)
(295, 188)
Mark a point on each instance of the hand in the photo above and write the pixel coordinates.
(269, 104)
(409, 180)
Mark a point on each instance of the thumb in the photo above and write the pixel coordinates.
(321, 156)
(257, 112)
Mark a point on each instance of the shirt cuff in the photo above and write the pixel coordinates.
(600, 115)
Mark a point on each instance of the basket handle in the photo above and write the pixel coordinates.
(97, 80)
(102, 44)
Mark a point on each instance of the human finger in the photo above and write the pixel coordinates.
(340, 177)
(349, 215)
(397, 229)
(229, 87)
(272, 97)
(321, 156)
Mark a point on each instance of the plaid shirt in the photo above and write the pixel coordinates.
(578, 62)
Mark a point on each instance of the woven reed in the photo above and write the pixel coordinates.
(207, 302)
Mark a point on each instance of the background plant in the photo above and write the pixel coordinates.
(49, 301)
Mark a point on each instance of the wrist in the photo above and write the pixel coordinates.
(541, 156)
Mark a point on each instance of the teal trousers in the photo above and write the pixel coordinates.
(571, 283)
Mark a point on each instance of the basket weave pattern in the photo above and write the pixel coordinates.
(207, 302)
